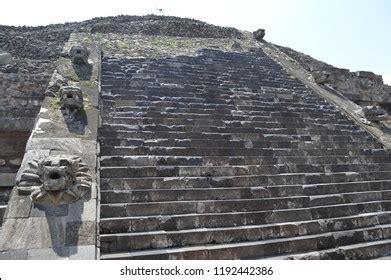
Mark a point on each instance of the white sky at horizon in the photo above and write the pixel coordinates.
(353, 34)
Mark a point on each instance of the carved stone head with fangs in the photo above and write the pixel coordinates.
(374, 113)
(79, 54)
(55, 181)
(71, 99)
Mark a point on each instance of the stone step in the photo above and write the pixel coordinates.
(247, 122)
(263, 248)
(221, 103)
(235, 219)
(149, 135)
(161, 131)
(203, 143)
(226, 151)
(349, 197)
(238, 170)
(156, 98)
(272, 135)
(117, 196)
(378, 189)
(138, 97)
(291, 110)
(197, 70)
(210, 83)
(278, 83)
(378, 249)
(175, 171)
(121, 242)
(234, 125)
(240, 181)
(344, 187)
(273, 112)
(168, 119)
(203, 206)
(287, 110)
(125, 98)
(218, 114)
(192, 89)
(290, 100)
(213, 115)
(235, 205)
(234, 161)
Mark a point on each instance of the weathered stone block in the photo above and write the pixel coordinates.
(82, 252)
(83, 211)
(61, 253)
(57, 81)
(33, 233)
(5, 58)
(81, 233)
(14, 255)
(19, 206)
(49, 211)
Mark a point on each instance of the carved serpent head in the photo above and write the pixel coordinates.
(55, 181)
(71, 98)
(79, 54)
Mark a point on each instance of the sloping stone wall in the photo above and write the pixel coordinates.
(21, 96)
(39, 231)
(12, 145)
(362, 87)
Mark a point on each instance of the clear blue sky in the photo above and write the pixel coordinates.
(352, 34)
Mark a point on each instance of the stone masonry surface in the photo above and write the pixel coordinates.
(362, 87)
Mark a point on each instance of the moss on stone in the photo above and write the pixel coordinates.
(89, 84)
(55, 104)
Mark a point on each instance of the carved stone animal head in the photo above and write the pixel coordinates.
(374, 113)
(71, 99)
(321, 76)
(55, 181)
(259, 34)
(79, 54)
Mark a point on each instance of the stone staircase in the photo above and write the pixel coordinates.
(225, 156)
